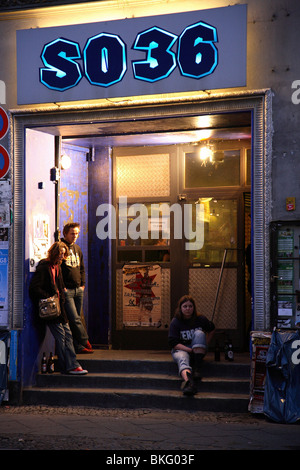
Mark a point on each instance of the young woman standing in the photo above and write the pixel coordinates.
(46, 282)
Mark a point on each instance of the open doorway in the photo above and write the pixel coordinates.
(128, 125)
(142, 150)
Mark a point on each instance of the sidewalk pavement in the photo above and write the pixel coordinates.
(88, 429)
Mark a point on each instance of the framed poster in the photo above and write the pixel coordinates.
(141, 295)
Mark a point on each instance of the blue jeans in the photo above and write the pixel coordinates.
(182, 358)
(73, 306)
(64, 346)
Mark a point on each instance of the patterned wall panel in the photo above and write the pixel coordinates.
(203, 286)
(143, 176)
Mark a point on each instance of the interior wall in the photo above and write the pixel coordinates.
(73, 202)
(99, 250)
(39, 158)
(83, 187)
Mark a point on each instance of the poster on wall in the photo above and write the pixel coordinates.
(4, 353)
(142, 295)
(4, 215)
(39, 240)
(5, 190)
(285, 282)
(3, 283)
(285, 243)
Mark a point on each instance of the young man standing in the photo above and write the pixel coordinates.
(74, 279)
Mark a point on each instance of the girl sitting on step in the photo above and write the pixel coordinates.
(189, 335)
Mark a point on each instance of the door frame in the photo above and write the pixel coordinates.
(257, 101)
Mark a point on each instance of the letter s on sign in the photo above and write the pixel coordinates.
(61, 71)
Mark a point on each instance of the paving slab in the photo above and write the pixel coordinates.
(114, 430)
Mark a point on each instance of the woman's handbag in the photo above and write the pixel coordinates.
(49, 308)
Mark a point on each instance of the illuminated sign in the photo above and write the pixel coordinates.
(105, 61)
(169, 53)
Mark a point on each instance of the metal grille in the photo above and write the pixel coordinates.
(17, 239)
(143, 176)
(203, 286)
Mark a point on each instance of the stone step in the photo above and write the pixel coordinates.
(144, 380)
(134, 399)
(139, 381)
(238, 368)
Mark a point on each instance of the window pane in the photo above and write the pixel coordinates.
(129, 256)
(149, 226)
(210, 168)
(157, 255)
(220, 232)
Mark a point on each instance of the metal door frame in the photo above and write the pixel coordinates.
(257, 101)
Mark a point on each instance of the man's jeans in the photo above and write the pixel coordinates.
(73, 306)
(183, 358)
(64, 346)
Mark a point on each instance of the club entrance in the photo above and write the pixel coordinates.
(179, 156)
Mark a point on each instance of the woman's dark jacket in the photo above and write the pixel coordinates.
(42, 286)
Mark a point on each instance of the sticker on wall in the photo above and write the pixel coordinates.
(39, 242)
(5, 190)
(3, 283)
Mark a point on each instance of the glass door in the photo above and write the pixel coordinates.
(215, 268)
(179, 229)
(214, 177)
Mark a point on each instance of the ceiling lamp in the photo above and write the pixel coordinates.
(65, 162)
(206, 155)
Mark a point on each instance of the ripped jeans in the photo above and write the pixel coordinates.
(183, 358)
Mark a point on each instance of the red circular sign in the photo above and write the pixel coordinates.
(3, 122)
(4, 161)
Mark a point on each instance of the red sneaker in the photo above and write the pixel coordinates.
(78, 371)
(86, 351)
(88, 345)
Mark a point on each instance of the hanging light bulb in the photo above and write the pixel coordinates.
(206, 155)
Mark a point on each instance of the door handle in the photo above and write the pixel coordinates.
(275, 277)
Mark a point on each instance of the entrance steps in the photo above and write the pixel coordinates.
(144, 379)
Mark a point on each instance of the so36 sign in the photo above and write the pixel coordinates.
(105, 61)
